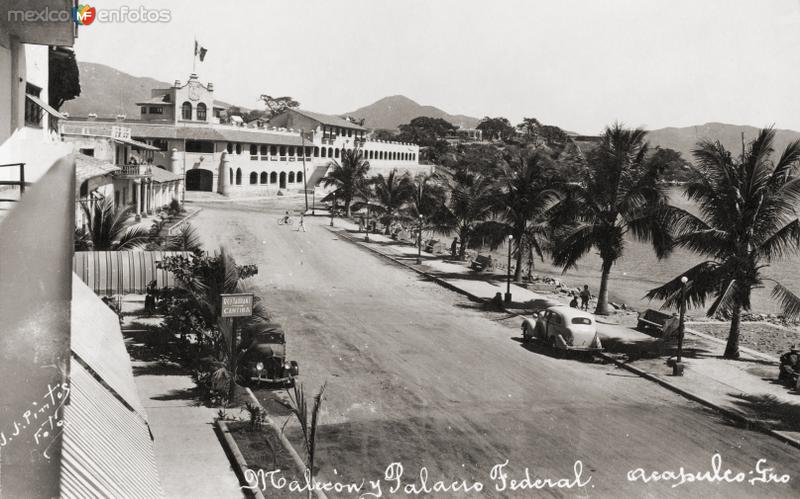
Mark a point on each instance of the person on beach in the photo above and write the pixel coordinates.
(586, 295)
(574, 302)
(302, 224)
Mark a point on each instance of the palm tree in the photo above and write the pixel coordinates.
(426, 201)
(186, 239)
(348, 177)
(109, 228)
(205, 279)
(747, 219)
(621, 195)
(465, 208)
(390, 195)
(309, 422)
(519, 201)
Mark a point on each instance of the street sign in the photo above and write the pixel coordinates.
(237, 305)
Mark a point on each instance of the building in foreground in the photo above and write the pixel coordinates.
(291, 153)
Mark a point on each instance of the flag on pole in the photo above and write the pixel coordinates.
(199, 51)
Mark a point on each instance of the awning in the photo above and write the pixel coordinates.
(46, 107)
(97, 341)
(136, 143)
(110, 273)
(107, 450)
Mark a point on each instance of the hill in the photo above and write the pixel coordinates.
(391, 112)
(108, 92)
(685, 139)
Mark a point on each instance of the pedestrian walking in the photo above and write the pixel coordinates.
(302, 224)
(586, 295)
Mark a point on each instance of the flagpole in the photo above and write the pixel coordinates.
(194, 58)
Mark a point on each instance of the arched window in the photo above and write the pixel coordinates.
(201, 112)
(186, 111)
(253, 150)
(324, 152)
(263, 177)
(238, 176)
(380, 155)
(273, 150)
(291, 177)
(283, 150)
(330, 152)
(369, 155)
(238, 148)
(291, 150)
(230, 175)
(299, 176)
(230, 147)
(273, 177)
(263, 149)
(336, 153)
(308, 151)
(316, 152)
(253, 178)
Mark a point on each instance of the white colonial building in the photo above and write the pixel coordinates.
(290, 153)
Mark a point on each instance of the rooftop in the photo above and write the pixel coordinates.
(327, 119)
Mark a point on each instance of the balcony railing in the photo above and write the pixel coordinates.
(134, 171)
(16, 183)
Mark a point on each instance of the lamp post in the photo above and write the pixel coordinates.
(678, 367)
(333, 207)
(419, 241)
(508, 271)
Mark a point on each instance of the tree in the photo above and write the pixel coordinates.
(519, 201)
(621, 195)
(383, 134)
(466, 207)
(496, 128)
(746, 220)
(64, 81)
(109, 228)
(529, 127)
(390, 196)
(428, 133)
(186, 239)
(278, 105)
(204, 278)
(349, 177)
(670, 164)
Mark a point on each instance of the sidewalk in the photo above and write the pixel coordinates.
(746, 387)
(190, 458)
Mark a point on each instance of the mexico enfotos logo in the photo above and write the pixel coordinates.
(85, 14)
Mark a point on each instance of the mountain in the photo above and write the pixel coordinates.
(107, 92)
(685, 139)
(391, 112)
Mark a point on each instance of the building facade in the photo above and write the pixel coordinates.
(290, 153)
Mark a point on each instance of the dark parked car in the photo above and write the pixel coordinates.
(265, 359)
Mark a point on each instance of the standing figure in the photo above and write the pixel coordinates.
(302, 224)
(586, 295)
(454, 247)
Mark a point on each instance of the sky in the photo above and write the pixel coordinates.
(580, 65)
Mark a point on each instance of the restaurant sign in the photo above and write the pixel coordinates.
(237, 305)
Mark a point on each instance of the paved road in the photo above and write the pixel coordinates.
(417, 375)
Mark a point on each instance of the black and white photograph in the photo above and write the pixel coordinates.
(324, 249)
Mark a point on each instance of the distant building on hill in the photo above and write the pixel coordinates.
(293, 151)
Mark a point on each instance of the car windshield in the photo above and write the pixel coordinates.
(582, 320)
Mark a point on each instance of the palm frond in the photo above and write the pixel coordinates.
(790, 302)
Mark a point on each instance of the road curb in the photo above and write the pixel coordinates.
(284, 441)
(240, 467)
(343, 233)
(739, 418)
(749, 423)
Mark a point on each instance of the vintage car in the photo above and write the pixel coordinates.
(264, 361)
(563, 328)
